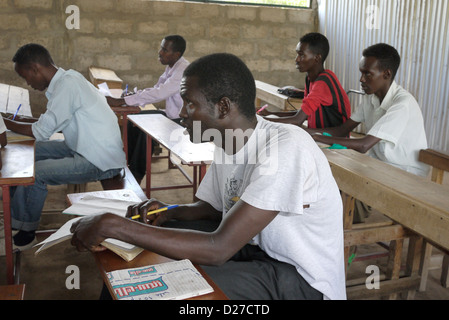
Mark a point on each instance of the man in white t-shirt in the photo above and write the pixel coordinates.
(392, 117)
(275, 209)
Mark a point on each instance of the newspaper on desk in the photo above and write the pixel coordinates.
(175, 280)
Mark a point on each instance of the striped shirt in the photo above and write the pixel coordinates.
(325, 101)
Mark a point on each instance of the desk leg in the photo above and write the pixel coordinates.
(148, 171)
(8, 235)
(203, 170)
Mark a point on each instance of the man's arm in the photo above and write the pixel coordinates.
(239, 226)
(362, 145)
(297, 119)
(115, 102)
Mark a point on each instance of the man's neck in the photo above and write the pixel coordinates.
(315, 72)
(382, 93)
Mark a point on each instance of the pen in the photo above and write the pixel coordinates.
(262, 109)
(15, 115)
(155, 211)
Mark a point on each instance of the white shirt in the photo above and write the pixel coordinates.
(90, 127)
(167, 88)
(284, 175)
(398, 121)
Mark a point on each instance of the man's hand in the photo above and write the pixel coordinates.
(114, 102)
(142, 210)
(87, 233)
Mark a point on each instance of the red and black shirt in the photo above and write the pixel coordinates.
(325, 101)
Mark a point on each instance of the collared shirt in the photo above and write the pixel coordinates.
(78, 110)
(399, 123)
(167, 88)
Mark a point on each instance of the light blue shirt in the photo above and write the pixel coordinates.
(78, 110)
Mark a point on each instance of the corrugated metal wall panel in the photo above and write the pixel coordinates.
(418, 29)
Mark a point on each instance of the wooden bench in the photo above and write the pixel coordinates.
(440, 164)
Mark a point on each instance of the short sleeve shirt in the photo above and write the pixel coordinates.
(282, 169)
(399, 123)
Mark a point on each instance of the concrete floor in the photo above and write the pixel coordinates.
(45, 274)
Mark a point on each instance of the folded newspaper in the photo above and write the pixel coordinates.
(175, 280)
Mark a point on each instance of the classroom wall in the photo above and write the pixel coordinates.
(125, 35)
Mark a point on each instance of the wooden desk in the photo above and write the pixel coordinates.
(108, 261)
(170, 135)
(100, 75)
(12, 293)
(412, 201)
(269, 93)
(18, 169)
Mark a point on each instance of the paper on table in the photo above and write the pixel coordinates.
(92, 204)
(165, 281)
(104, 89)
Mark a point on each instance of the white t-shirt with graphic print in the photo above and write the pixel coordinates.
(282, 169)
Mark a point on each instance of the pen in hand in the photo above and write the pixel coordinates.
(17, 111)
(155, 211)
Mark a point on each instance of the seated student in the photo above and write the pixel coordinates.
(92, 148)
(392, 116)
(277, 220)
(325, 103)
(167, 88)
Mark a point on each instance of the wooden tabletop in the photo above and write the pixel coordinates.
(171, 136)
(412, 201)
(18, 163)
(269, 93)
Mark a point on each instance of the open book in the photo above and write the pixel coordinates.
(125, 250)
(174, 280)
(115, 201)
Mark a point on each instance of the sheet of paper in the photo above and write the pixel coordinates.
(167, 281)
(92, 204)
(104, 89)
(11, 97)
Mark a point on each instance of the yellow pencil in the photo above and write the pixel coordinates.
(155, 211)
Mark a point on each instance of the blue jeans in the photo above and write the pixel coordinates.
(55, 164)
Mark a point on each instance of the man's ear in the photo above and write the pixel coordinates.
(388, 74)
(224, 107)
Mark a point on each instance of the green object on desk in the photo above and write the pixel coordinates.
(338, 147)
(334, 146)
